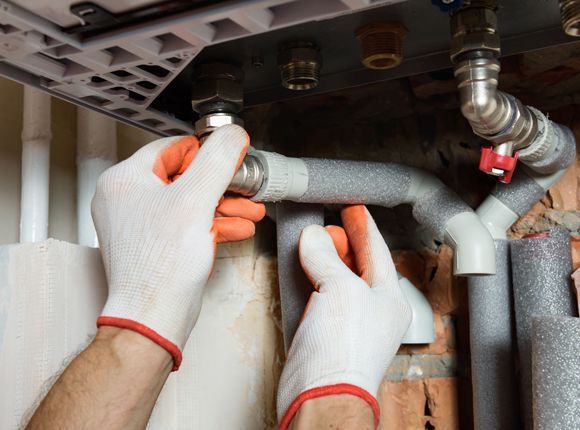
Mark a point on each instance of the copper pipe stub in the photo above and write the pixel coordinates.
(382, 44)
(570, 12)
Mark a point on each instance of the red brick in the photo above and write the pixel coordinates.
(439, 287)
(411, 265)
(410, 404)
(575, 243)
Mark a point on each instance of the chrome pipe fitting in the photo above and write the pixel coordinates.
(249, 178)
(496, 116)
(208, 123)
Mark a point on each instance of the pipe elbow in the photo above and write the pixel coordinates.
(422, 327)
(474, 250)
(478, 105)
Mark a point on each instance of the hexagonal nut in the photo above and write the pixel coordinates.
(474, 29)
(217, 92)
(473, 20)
(218, 71)
(208, 123)
(475, 42)
(307, 53)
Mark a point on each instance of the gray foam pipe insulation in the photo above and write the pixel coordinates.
(492, 326)
(349, 182)
(291, 219)
(555, 370)
(541, 282)
(492, 310)
(312, 180)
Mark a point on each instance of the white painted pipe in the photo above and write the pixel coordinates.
(96, 152)
(36, 138)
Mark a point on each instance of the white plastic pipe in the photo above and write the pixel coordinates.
(96, 152)
(36, 138)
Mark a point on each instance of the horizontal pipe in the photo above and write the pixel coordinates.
(312, 180)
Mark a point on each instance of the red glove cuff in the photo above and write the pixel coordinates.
(147, 332)
(327, 391)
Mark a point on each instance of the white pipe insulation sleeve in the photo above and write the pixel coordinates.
(36, 136)
(285, 178)
(422, 327)
(471, 243)
(96, 152)
(496, 216)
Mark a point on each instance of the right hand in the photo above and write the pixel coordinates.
(159, 215)
(354, 322)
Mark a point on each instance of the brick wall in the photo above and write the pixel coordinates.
(416, 121)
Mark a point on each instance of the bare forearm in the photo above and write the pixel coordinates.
(337, 412)
(112, 384)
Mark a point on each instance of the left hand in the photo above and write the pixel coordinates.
(354, 321)
(158, 216)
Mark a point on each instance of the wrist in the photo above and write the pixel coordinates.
(316, 395)
(132, 349)
(143, 331)
(342, 411)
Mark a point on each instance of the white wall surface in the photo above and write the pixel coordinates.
(62, 217)
(233, 360)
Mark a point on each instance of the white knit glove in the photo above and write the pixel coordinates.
(158, 237)
(353, 325)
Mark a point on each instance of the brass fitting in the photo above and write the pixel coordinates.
(474, 29)
(570, 12)
(382, 44)
(299, 64)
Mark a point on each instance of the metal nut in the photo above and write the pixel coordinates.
(474, 29)
(208, 123)
(217, 88)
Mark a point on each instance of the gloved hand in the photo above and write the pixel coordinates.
(158, 216)
(354, 322)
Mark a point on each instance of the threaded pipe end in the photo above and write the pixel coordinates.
(300, 75)
(381, 44)
(299, 64)
(570, 13)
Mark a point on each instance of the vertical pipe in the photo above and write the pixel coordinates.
(96, 152)
(36, 138)
(555, 370)
(491, 325)
(295, 288)
(541, 267)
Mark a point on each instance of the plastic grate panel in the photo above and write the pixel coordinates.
(124, 71)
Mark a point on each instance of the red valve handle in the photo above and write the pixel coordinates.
(490, 160)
